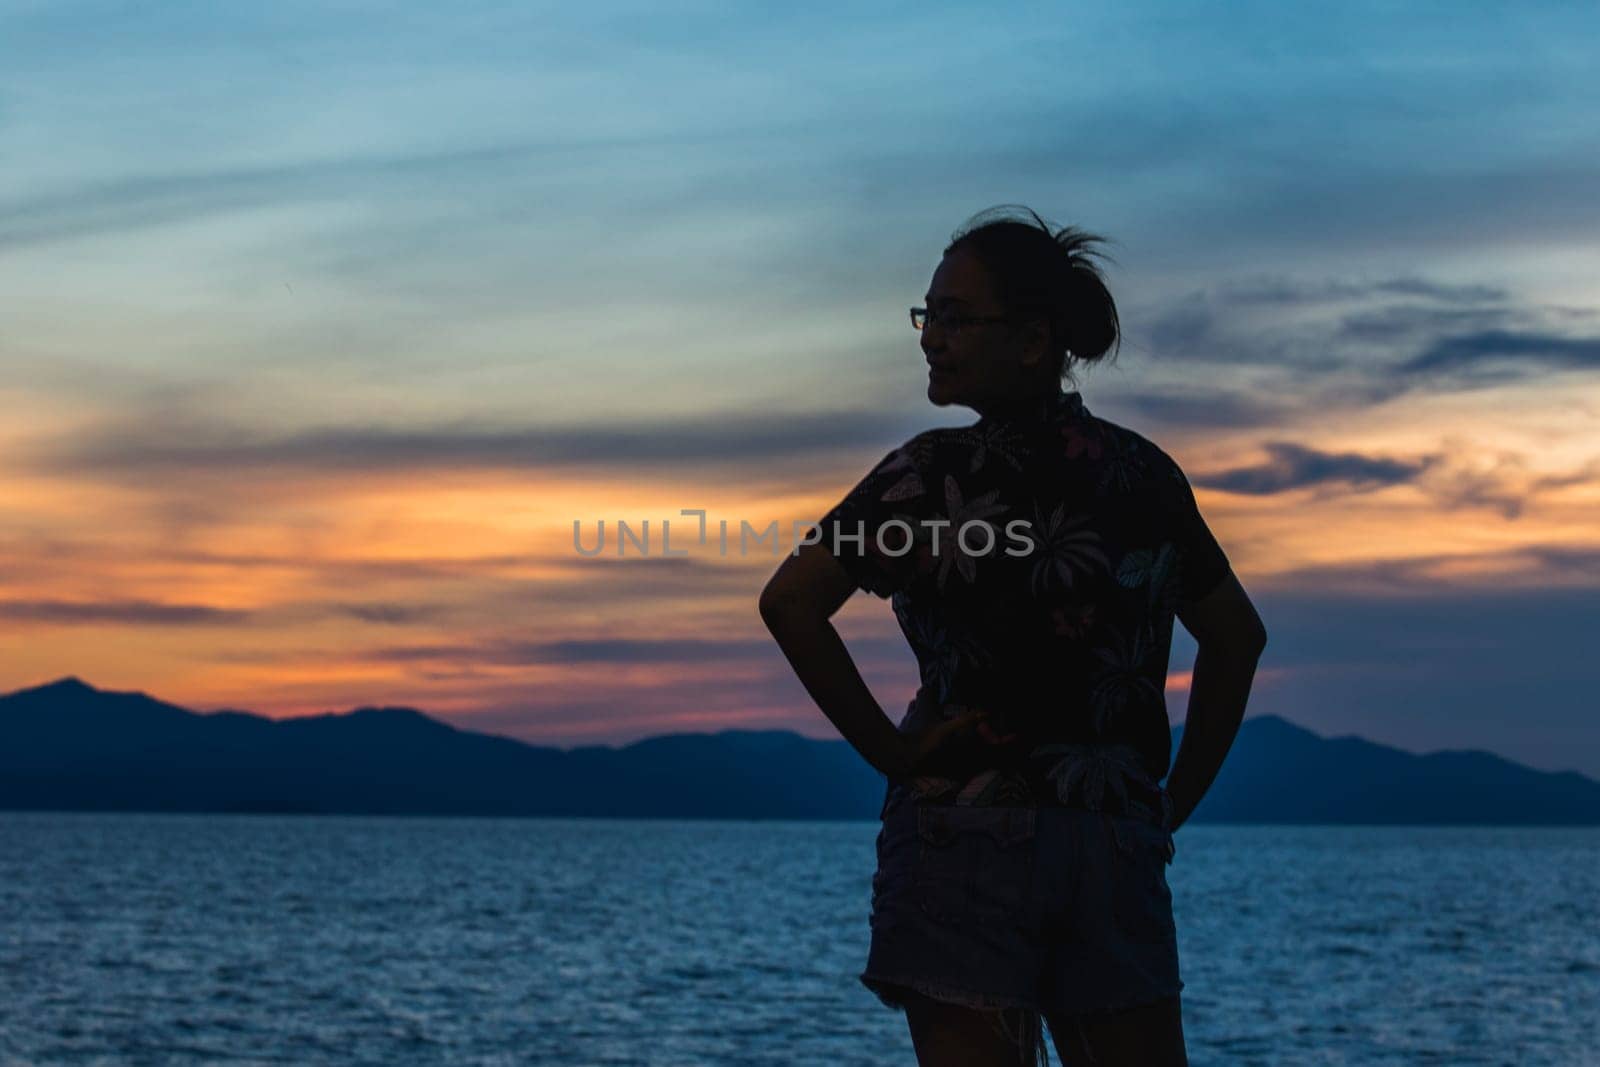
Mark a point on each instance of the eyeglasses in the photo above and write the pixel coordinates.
(953, 324)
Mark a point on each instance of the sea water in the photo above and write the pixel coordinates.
(186, 939)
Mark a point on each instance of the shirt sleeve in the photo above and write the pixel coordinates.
(1204, 565)
(875, 532)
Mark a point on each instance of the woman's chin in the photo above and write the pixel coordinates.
(939, 392)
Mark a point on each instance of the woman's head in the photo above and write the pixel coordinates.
(1013, 306)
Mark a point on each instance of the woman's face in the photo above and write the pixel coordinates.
(973, 359)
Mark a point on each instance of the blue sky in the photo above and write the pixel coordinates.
(323, 321)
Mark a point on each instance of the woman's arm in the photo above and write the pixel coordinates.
(796, 604)
(1231, 637)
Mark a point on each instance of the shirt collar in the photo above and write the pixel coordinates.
(1053, 407)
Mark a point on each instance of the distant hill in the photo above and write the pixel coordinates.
(1278, 772)
(67, 746)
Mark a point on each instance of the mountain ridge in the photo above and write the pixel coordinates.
(66, 745)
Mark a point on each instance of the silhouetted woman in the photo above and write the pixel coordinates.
(1035, 560)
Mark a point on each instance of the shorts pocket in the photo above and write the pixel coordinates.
(975, 864)
(1143, 902)
(897, 858)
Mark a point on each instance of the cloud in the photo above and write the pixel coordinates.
(389, 614)
(1505, 485)
(1560, 570)
(1452, 479)
(1286, 291)
(1440, 292)
(153, 447)
(171, 198)
(166, 199)
(610, 651)
(1322, 330)
(1294, 349)
(1293, 466)
(1465, 352)
(1403, 324)
(144, 612)
(1196, 407)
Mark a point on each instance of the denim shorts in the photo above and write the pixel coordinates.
(1055, 910)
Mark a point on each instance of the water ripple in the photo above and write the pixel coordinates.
(261, 940)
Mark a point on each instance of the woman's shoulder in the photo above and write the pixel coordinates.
(1129, 442)
(1089, 440)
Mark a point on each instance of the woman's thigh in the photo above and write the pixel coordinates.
(1147, 1036)
(950, 1035)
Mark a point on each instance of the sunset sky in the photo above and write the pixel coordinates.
(321, 324)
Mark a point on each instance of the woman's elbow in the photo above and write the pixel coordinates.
(1244, 639)
(1259, 639)
(805, 589)
(778, 605)
(1249, 641)
(772, 604)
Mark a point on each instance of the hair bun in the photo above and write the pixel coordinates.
(1049, 271)
(1091, 325)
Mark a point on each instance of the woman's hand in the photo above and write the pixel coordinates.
(945, 748)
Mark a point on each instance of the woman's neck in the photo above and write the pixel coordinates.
(1020, 405)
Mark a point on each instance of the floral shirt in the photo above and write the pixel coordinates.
(1035, 562)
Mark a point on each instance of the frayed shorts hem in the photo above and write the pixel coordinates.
(890, 989)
